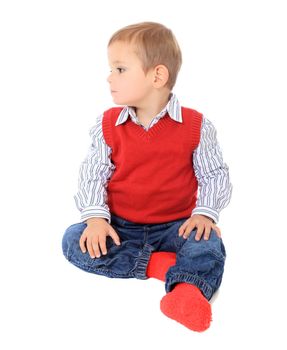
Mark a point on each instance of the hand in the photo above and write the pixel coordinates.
(203, 224)
(94, 237)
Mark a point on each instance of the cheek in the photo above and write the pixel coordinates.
(134, 85)
(138, 84)
(131, 86)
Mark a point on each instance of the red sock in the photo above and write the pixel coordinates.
(186, 305)
(159, 264)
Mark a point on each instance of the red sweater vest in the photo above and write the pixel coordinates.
(154, 180)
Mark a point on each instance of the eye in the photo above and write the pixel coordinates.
(120, 70)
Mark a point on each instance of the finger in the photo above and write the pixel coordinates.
(103, 246)
(83, 243)
(182, 228)
(115, 237)
(188, 229)
(199, 233)
(217, 230)
(207, 230)
(96, 248)
(90, 248)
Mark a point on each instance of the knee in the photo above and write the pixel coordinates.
(217, 244)
(65, 243)
(213, 245)
(71, 238)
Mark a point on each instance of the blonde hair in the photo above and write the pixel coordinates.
(154, 44)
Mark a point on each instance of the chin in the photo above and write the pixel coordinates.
(119, 102)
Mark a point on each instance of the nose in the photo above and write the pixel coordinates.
(109, 77)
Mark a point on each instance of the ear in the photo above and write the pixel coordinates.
(160, 76)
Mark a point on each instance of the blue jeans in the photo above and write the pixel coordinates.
(200, 263)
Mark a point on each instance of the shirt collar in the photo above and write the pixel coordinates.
(173, 109)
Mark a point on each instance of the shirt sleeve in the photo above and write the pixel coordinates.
(212, 174)
(95, 171)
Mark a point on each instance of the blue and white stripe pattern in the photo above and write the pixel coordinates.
(212, 173)
(172, 108)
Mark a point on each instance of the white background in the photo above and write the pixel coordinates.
(53, 85)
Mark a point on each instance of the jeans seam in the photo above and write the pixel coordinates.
(139, 270)
(89, 268)
(216, 254)
(205, 288)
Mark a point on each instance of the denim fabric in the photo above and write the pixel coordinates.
(197, 262)
(200, 263)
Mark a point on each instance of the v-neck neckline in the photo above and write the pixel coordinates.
(153, 131)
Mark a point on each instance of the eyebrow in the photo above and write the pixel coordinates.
(118, 62)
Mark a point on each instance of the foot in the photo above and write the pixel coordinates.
(186, 305)
(159, 264)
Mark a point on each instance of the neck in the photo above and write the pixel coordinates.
(147, 112)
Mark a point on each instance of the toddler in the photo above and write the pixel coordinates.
(141, 215)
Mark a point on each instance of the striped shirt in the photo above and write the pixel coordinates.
(211, 172)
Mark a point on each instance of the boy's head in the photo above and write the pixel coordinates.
(154, 45)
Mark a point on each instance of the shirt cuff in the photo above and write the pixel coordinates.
(211, 213)
(95, 212)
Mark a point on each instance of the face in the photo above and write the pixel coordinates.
(129, 85)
